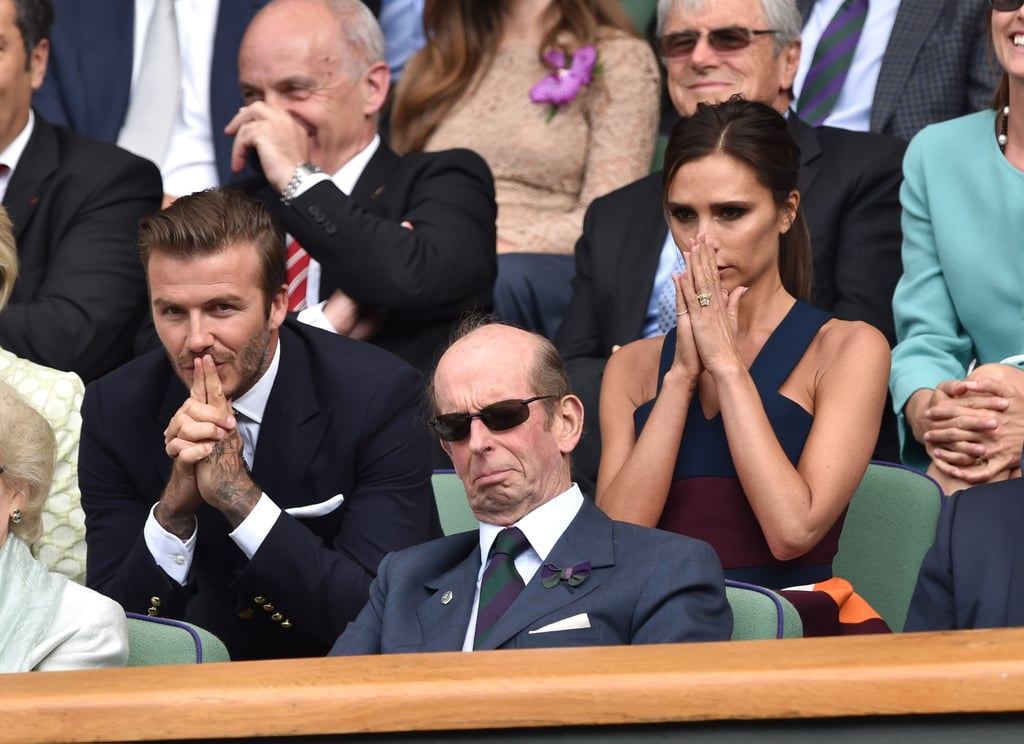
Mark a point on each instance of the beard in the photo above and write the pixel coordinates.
(249, 366)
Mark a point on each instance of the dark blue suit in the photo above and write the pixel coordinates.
(88, 80)
(973, 576)
(342, 417)
(645, 586)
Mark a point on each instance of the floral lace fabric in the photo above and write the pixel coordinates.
(546, 173)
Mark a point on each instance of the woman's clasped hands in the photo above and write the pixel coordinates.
(707, 313)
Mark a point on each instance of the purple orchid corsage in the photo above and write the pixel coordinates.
(551, 575)
(571, 73)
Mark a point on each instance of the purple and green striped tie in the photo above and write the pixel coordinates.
(501, 582)
(831, 62)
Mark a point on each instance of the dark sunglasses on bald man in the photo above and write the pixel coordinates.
(505, 414)
(1006, 6)
(728, 39)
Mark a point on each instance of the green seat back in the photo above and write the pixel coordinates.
(157, 640)
(889, 526)
(759, 613)
(641, 12)
(452, 507)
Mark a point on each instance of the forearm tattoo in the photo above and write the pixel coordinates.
(233, 486)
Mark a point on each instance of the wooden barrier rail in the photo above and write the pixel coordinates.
(929, 673)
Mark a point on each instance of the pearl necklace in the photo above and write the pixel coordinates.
(1001, 139)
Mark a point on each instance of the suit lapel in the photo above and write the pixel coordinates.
(443, 624)
(638, 266)
(37, 164)
(588, 538)
(911, 28)
(372, 182)
(810, 151)
(107, 38)
(293, 428)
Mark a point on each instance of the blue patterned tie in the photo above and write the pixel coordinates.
(831, 62)
(501, 582)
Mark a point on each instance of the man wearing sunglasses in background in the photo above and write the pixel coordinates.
(546, 568)
(849, 183)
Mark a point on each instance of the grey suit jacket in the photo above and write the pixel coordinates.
(645, 586)
(938, 65)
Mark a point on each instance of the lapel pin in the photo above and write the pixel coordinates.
(446, 597)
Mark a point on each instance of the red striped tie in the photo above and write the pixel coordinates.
(298, 271)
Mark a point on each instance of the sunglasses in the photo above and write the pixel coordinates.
(1006, 6)
(728, 39)
(505, 414)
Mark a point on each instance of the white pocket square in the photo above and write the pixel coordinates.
(576, 622)
(317, 510)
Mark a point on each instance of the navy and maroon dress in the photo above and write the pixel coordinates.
(706, 500)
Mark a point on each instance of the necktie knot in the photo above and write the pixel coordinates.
(511, 542)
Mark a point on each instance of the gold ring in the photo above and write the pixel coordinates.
(679, 315)
(704, 299)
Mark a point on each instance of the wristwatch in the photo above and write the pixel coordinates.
(302, 171)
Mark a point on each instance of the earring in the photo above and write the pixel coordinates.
(16, 516)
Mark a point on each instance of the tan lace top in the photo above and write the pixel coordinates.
(546, 173)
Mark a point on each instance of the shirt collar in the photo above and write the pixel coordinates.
(543, 526)
(345, 179)
(253, 401)
(12, 154)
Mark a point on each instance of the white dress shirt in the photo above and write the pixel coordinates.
(191, 163)
(543, 527)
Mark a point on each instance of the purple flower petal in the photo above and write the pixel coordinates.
(583, 64)
(555, 57)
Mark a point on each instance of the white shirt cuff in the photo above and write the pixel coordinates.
(315, 317)
(309, 182)
(253, 530)
(169, 552)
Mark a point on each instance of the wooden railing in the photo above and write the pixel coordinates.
(930, 673)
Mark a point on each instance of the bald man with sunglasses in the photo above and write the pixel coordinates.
(504, 412)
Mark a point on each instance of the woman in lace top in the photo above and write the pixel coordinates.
(471, 87)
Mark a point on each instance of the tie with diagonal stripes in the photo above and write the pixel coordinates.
(501, 582)
(831, 62)
(298, 272)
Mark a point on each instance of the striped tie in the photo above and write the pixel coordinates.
(298, 271)
(831, 62)
(501, 583)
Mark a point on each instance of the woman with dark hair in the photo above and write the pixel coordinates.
(561, 98)
(958, 366)
(751, 425)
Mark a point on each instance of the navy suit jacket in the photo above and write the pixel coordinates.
(81, 292)
(645, 586)
(937, 65)
(973, 576)
(88, 79)
(420, 280)
(342, 417)
(849, 182)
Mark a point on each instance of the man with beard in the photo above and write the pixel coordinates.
(252, 485)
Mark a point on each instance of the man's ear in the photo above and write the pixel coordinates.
(376, 83)
(569, 422)
(278, 308)
(37, 63)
